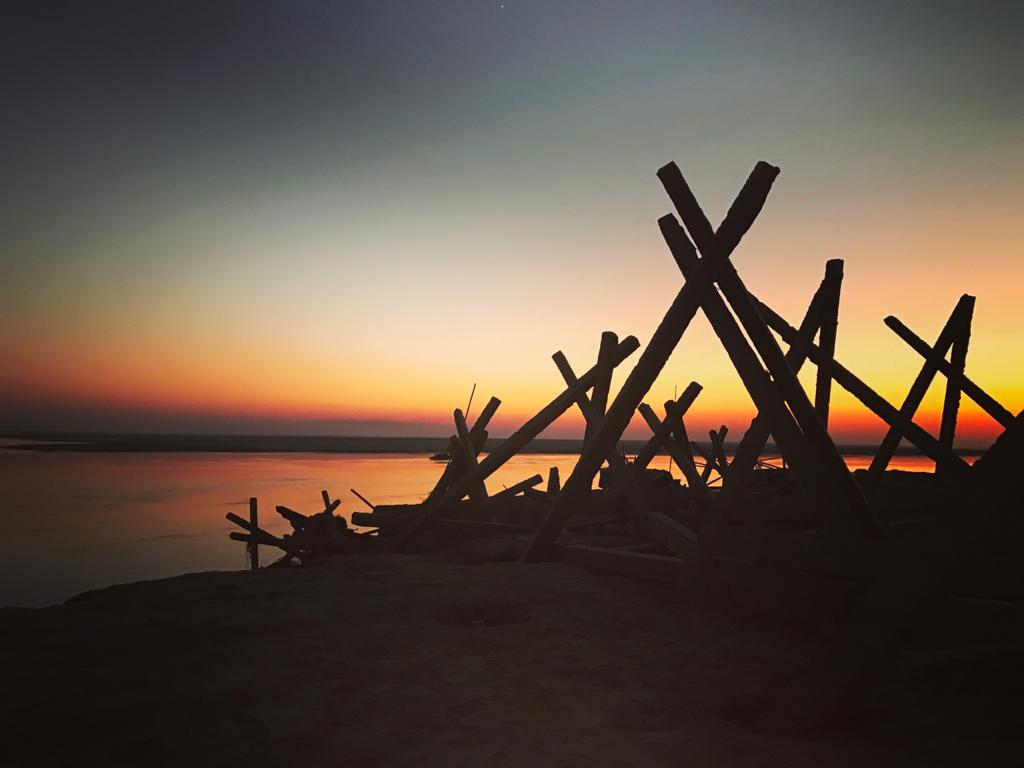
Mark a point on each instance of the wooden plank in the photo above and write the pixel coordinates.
(391, 523)
(622, 561)
(849, 497)
(673, 535)
(985, 401)
(512, 445)
(652, 360)
(477, 491)
(519, 487)
(827, 335)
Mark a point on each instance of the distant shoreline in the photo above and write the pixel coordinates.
(140, 443)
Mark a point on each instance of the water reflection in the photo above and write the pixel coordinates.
(78, 521)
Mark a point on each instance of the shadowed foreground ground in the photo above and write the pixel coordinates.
(390, 660)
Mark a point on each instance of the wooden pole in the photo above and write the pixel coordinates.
(254, 521)
(827, 335)
(477, 491)
(951, 402)
(675, 322)
(512, 445)
(822, 449)
(599, 395)
(362, 498)
(985, 401)
(887, 448)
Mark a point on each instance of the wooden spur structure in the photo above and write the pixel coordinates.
(875, 555)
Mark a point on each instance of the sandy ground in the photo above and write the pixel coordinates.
(399, 660)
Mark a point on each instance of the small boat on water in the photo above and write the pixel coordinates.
(443, 456)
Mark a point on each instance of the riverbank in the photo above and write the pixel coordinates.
(401, 660)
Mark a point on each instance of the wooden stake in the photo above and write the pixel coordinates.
(477, 490)
(599, 396)
(554, 483)
(827, 335)
(675, 322)
(254, 521)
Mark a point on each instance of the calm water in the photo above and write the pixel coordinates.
(72, 522)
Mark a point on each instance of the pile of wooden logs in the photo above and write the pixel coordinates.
(874, 552)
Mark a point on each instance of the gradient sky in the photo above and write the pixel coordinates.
(335, 217)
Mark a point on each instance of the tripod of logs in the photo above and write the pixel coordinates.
(879, 552)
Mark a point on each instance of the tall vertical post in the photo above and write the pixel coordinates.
(254, 548)
(827, 335)
(951, 402)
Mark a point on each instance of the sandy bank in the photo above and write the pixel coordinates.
(391, 660)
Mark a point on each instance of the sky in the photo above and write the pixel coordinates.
(335, 218)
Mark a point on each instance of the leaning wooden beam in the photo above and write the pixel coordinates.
(887, 448)
(519, 487)
(951, 401)
(914, 577)
(477, 491)
(599, 396)
(827, 335)
(625, 479)
(709, 463)
(362, 498)
(822, 449)
(985, 401)
(258, 533)
(454, 468)
(875, 402)
(689, 469)
(675, 322)
(752, 444)
(771, 406)
(665, 426)
(511, 446)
